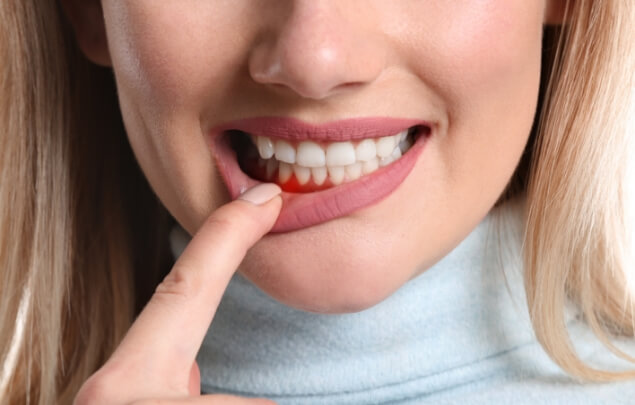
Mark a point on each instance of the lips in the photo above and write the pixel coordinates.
(302, 210)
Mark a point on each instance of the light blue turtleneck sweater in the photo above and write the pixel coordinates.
(457, 334)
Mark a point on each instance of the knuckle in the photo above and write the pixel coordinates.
(223, 224)
(179, 284)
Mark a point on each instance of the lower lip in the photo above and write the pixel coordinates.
(301, 210)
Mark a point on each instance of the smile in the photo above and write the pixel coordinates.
(325, 171)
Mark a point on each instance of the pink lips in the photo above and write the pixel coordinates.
(301, 210)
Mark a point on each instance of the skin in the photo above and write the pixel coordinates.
(470, 67)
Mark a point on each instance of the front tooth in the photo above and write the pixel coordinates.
(370, 166)
(385, 146)
(272, 166)
(310, 154)
(284, 172)
(285, 152)
(265, 147)
(319, 175)
(303, 174)
(354, 171)
(365, 150)
(336, 174)
(340, 154)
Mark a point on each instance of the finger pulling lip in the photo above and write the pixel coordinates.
(301, 210)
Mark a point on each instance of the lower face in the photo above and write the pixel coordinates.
(463, 75)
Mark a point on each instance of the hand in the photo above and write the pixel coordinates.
(156, 361)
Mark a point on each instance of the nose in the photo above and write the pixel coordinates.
(319, 49)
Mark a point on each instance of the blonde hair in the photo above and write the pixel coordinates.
(83, 239)
(69, 241)
(576, 242)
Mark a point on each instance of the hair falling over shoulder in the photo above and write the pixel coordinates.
(578, 242)
(83, 239)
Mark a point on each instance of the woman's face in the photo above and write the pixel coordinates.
(462, 74)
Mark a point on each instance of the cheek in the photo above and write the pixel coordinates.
(164, 53)
(481, 39)
(472, 52)
(485, 65)
(166, 61)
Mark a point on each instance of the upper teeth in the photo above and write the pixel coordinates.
(336, 154)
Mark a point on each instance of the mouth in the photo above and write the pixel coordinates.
(309, 166)
(325, 171)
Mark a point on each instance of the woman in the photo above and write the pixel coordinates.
(393, 128)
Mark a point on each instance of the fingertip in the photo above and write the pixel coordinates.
(261, 193)
(267, 199)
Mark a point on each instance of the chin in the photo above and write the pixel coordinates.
(346, 280)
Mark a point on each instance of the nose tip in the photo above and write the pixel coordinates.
(315, 73)
(316, 57)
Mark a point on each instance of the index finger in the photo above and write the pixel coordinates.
(168, 333)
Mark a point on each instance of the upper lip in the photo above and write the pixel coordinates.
(344, 130)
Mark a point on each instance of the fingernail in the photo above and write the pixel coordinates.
(261, 193)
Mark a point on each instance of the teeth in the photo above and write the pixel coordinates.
(336, 174)
(365, 150)
(396, 154)
(265, 147)
(354, 171)
(310, 154)
(338, 161)
(385, 161)
(340, 154)
(370, 166)
(303, 174)
(285, 152)
(319, 175)
(284, 172)
(385, 146)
